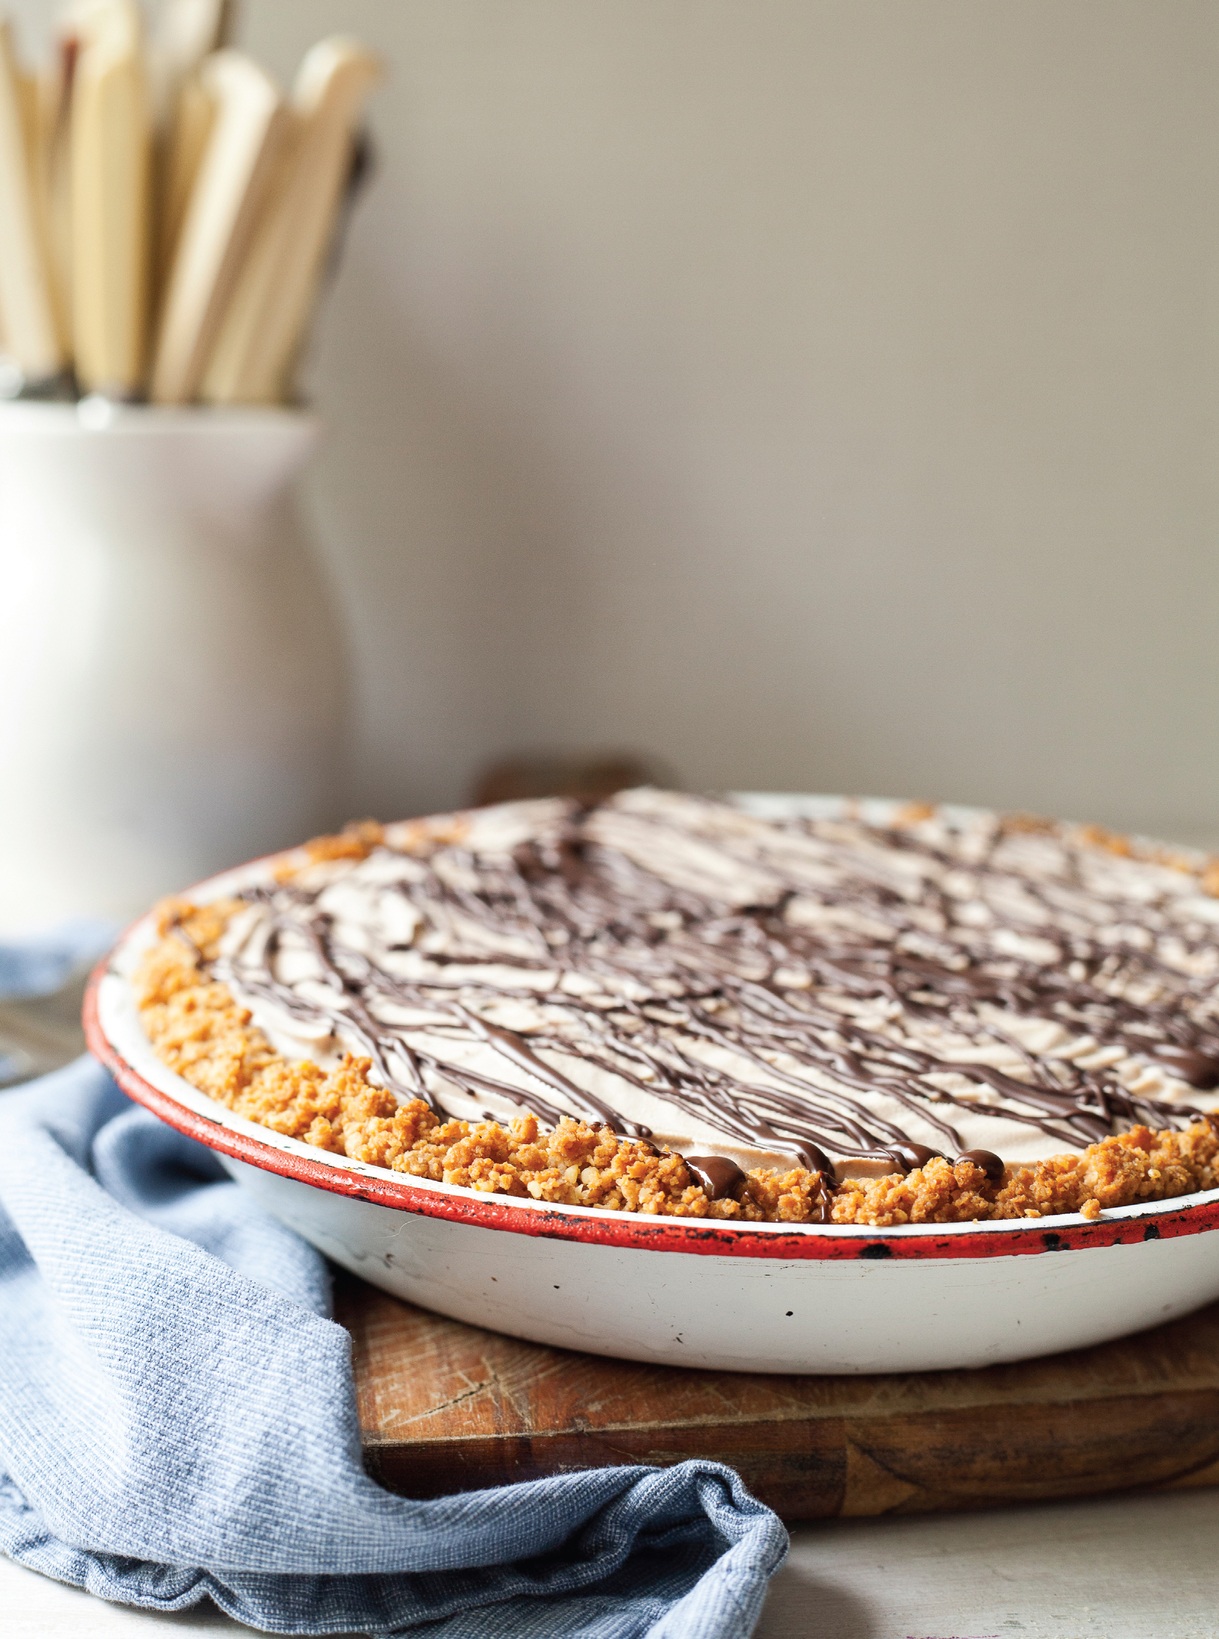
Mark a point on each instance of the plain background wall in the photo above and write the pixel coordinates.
(816, 393)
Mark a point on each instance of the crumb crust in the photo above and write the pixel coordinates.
(199, 1029)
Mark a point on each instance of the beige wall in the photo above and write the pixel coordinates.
(818, 393)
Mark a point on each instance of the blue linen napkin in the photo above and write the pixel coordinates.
(177, 1420)
(40, 964)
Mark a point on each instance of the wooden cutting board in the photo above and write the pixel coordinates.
(448, 1407)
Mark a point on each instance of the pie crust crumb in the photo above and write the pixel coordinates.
(200, 1030)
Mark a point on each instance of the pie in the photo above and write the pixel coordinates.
(665, 1003)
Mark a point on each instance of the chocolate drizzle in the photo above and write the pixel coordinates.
(1197, 1069)
(717, 1175)
(987, 1161)
(764, 980)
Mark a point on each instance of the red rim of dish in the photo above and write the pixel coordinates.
(652, 1234)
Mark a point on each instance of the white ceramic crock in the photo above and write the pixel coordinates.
(170, 672)
(759, 1297)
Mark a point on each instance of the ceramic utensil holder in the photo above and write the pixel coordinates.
(171, 676)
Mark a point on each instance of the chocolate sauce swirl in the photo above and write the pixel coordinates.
(809, 988)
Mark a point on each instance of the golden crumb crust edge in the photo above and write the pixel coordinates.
(199, 1029)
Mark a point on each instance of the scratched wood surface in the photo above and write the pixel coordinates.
(447, 1407)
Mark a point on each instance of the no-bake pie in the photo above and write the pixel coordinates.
(670, 1004)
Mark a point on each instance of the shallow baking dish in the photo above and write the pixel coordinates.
(737, 1297)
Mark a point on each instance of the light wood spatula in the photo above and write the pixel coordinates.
(31, 336)
(236, 165)
(257, 343)
(110, 158)
(186, 34)
(51, 170)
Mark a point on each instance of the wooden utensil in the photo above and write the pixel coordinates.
(186, 34)
(51, 167)
(31, 336)
(258, 342)
(110, 156)
(180, 151)
(237, 161)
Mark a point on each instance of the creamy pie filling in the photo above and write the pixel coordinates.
(682, 971)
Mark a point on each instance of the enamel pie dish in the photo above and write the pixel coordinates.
(757, 1297)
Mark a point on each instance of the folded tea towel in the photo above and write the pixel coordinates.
(177, 1420)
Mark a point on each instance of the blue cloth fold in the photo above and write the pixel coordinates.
(40, 964)
(177, 1420)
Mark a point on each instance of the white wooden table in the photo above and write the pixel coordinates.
(1123, 1568)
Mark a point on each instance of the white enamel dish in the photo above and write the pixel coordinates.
(757, 1297)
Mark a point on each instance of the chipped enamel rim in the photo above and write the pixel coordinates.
(116, 1037)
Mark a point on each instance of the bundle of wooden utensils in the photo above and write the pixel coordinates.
(166, 212)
